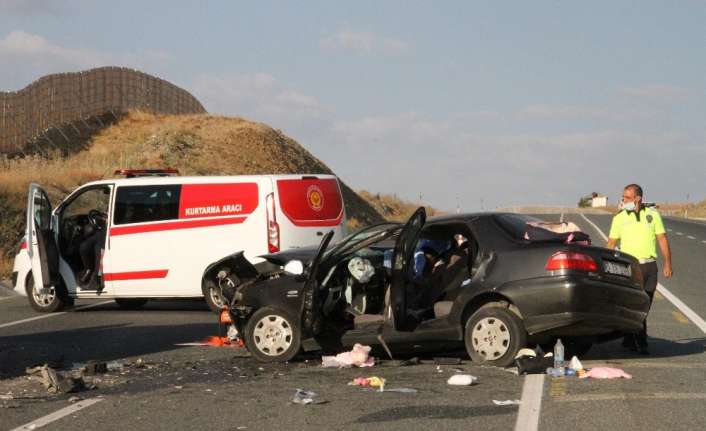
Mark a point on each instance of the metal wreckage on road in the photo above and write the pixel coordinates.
(493, 281)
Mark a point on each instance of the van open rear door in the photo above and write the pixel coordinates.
(41, 244)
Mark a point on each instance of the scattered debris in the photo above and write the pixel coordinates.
(139, 363)
(305, 397)
(402, 363)
(373, 382)
(215, 341)
(533, 364)
(357, 357)
(75, 399)
(606, 373)
(447, 361)
(93, 367)
(55, 382)
(400, 390)
(507, 403)
(575, 364)
(462, 380)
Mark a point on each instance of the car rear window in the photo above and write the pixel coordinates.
(311, 201)
(528, 228)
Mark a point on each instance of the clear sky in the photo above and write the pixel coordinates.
(485, 103)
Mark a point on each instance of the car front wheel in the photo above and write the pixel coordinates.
(272, 336)
(493, 336)
(46, 300)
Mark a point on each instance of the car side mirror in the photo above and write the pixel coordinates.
(294, 267)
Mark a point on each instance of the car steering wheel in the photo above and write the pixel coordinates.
(94, 215)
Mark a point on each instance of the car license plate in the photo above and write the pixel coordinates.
(617, 269)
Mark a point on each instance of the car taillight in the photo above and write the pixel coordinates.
(272, 226)
(23, 245)
(571, 260)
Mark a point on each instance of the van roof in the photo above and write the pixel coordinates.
(150, 180)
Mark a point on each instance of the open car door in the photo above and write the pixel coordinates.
(403, 255)
(41, 244)
(311, 303)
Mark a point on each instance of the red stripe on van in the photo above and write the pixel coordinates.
(175, 225)
(135, 275)
(311, 202)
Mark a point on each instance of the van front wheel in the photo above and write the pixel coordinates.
(213, 296)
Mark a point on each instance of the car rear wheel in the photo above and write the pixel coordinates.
(130, 303)
(46, 300)
(213, 296)
(494, 335)
(272, 336)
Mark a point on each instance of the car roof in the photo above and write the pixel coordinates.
(156, 180)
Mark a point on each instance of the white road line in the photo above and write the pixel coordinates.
(2, 298)
(679, 233)
(695, 318)
(45, 420)
(690, 237)
(704, 241)
(531, 403)
(669, 230)
(688, 312)
(48, 315)
(605, 238)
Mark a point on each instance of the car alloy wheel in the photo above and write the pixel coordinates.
(43, 296)
(491, 338)
(273, 335)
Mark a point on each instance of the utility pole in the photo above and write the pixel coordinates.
(458, 206)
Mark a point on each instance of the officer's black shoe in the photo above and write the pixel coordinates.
(630, 343)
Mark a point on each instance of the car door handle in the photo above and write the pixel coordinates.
(319, 233)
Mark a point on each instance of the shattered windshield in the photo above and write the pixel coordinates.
(354, 239)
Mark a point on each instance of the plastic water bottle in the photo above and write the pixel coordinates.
(559, 356)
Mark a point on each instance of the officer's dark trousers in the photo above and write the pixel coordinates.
(649, 274)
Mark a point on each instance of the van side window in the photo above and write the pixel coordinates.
(137, 204)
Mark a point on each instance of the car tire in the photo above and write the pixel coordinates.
(54, 300)
(213, 297)
(493, 335)
(272, 335)
(130, 303)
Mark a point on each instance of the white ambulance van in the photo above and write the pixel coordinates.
(152, 235)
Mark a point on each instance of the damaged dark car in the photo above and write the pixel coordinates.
(494, 282)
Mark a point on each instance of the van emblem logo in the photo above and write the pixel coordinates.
(315, 198)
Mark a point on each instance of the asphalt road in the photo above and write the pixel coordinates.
(164, 386)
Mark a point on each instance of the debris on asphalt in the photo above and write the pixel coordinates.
(358, 356)
(55, 382)
(575, 364)
(533, 364)
(447, 361)
(462, 380)
(75, 399)
(139, 363)
(215, 341)
(305, 397)
(526, 352)
(401, 362)
(606, 373)
(400, 390)
(373, 382)
(93, 367)
(507, 403)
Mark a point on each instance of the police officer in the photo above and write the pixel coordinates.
(639, 229)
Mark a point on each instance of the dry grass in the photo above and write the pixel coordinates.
(195, 144)
(393, 208)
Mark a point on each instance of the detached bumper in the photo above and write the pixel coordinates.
(578, 306)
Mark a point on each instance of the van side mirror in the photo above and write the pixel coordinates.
(294, 267)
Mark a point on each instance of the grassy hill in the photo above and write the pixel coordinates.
(195, 144)
(392, 207)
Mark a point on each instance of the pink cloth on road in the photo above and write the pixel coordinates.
(606, 373)
(357, 357)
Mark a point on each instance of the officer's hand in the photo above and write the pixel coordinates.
(667, 270)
